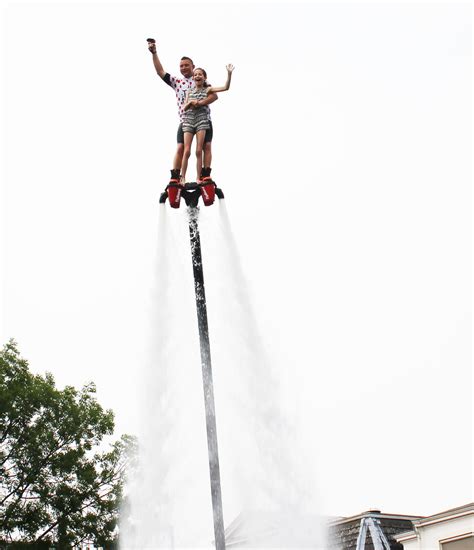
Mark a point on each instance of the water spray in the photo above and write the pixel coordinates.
(191, 193)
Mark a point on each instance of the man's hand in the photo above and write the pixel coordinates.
(156, 60)
(151, 45)
(191, 104)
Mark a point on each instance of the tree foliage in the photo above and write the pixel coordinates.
(56, 484)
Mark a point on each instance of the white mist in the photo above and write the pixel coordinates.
(169, 502)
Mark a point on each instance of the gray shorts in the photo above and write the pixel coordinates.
(195, 120)
(194, 128)
(207, 139)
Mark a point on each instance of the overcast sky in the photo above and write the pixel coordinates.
(344, 149)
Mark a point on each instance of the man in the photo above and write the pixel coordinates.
(181, 86)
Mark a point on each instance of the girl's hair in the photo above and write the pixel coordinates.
(205, 84)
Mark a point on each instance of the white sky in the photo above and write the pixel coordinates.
(344, 150)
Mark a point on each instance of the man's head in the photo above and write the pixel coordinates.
(186, 67)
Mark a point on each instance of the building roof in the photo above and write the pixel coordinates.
(447, 515)
(343, 533)
(253, 529)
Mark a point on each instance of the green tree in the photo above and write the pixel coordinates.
(56, 484)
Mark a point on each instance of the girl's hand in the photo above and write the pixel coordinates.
(190, 104)
(230, 68)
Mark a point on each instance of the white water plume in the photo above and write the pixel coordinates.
(169, 501)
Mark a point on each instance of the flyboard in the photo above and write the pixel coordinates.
(191, 192)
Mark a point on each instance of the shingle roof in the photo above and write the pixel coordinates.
(252, 528)
(344, 532)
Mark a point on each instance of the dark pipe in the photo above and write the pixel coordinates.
(208, 385)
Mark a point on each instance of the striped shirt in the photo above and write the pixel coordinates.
(198, 117)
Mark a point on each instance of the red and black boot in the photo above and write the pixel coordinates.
(174, 188)
(208, 187)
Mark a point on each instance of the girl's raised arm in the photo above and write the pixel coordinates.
(213, 90)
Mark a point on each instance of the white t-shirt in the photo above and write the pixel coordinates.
(180, 86)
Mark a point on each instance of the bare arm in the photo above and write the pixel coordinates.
(213, 90)
(211, 97)
(201, 102)
(156, 60)
(188, 104)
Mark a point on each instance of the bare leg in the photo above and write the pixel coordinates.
(207, 154)
(188, 140)
(178, 157)
(199, 149)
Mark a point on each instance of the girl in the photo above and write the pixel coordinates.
(196, 117)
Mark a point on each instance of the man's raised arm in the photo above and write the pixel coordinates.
(156, 60)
